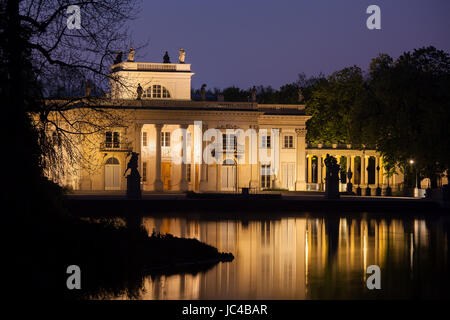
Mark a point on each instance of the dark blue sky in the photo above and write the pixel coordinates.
(268, 42)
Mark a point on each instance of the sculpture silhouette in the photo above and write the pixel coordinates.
(139, 91)
(332, 178)
(134, 178)
(166, 58)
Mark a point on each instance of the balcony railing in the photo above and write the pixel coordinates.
(116, 146)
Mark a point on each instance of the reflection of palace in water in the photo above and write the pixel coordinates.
(282, 259)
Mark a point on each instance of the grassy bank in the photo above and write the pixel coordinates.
(113, 258)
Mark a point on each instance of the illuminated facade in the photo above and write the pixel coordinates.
(166, 106)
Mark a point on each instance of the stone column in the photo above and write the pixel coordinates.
(204, 166)
(137, 148)
(319, 171)
(363, 169)
(377, 173)
(218, 177)
(276, 181)
(352, 168)
(300, 183)
(309, 159)
(184, 185)
(254, 167)
(138, 144)
(158, 182)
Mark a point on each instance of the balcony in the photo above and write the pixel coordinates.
(116, 146)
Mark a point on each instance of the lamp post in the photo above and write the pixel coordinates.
(416, 189)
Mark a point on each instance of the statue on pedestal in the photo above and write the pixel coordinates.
(134, 178)
(203, 92)
(332, 178)
(139, 91)
(253, 92)
(131, 55)
(182, 55)
(166, 58)
(300, 95)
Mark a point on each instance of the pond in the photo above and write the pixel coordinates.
(303, 256)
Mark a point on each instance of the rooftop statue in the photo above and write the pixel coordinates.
(131, 55)
(118, 58)
(300, 95)
(182, 56)
(203, 92)
(253, 92)
(166, 58)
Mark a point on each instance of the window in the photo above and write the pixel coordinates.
(108, 139)
(112, 161)
(265, 143)
(156, 92)
(265, 176)
(144, 139)
(188, 172)
(229, 142)
(165, 93)
(112, 139)
(288, 142)
(144, 171)
(147, 93)
(165, 139)
(116, 140)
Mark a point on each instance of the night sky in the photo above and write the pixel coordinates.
(268, 42)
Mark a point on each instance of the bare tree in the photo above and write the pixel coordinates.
(61, 61)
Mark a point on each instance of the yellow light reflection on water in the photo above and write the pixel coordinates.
(288, 258)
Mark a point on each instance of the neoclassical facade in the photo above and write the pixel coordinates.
(165, 118)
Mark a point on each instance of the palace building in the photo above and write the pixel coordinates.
(163, 106)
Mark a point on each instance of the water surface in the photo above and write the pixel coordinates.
(307, 257)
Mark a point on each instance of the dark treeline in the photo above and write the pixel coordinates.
(399, 107)
(41, 57)
(287, 94)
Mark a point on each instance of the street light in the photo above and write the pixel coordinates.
(416, 189)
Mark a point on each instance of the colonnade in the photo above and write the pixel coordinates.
(358, 161)
(251, 170)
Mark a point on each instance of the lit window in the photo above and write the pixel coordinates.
(156, 92)
(288, 142)
(144, 139)
(165, 93)
(229, 142)
(188, 172)
(265, 176)
(165, 139)
(147, 93)
(112, 139)
(116, 140)
(144, 171)
(265, 143)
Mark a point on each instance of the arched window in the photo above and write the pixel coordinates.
(156, 92)
(112, 160)
(147, 93)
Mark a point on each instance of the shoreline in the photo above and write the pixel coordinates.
(229, 204)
